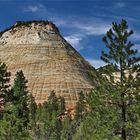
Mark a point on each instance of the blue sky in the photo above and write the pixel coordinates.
(81, 22)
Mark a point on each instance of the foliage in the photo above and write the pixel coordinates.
(16, 112)
(123, 56)
(20, 100)
(32, 112)
(4, 83)
(109, 111)
(114, 104)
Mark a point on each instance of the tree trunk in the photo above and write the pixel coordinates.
(123, 107)
(123, 133)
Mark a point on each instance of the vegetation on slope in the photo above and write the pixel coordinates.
(28, 23)
(109, 112)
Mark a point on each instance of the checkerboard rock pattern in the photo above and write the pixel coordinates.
(48, 61)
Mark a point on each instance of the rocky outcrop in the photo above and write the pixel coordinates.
(47, 60)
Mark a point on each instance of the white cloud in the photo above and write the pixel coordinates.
(83, 27)
(93, 26)
(80, 30)
(32, 9)
(137, 46)
(58, 21)
(136, 36)
(96, 63)
(120, 5)
(74, 41)
(39, 9)
(94, 29)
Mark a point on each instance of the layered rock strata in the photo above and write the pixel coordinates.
(48, 61)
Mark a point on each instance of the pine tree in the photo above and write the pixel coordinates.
(114, 104)
(21, 99)
(62, 107)
(4, 95)
(15, 116)
(122, 56)
(53, 122)
(32, 111)
(49, 122)
(80, 107)
(4, 84)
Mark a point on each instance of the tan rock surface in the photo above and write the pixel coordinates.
(47, 60)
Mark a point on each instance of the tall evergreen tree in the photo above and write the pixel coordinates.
(49, 122)
(21, 99)
(15, 117)
(53, 122)
(114, 104)
(80, 107)
(4, 84)
(62, 107)
(122, 56)
(32, 111)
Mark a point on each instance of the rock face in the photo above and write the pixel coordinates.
(47, 60)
